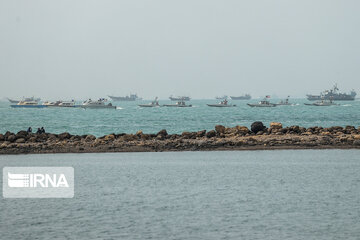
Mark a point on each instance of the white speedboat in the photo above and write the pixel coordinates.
(67, 103)
(221, 104)
(178, 104)
(263, 103)
(154, 103)
(97, 104)
(284, 102)
(25, 99)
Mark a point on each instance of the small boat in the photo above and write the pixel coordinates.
(27, 99)
(263, 103)
(244, 97)
(178, 104)
(67, 103)
(284, 102)
(221, 104)
(180, 98)
(97, 104)
(154, 103)
(28, 104)
(322, 103)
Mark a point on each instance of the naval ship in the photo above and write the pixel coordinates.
(333, 94)
(132, 97)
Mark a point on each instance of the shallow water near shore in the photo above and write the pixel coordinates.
(129, 118)
(287, 194)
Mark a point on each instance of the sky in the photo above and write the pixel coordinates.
(76, 49)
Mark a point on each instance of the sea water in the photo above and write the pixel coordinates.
(129, 117)
(287, 194)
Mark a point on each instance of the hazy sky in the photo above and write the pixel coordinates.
(202, 48)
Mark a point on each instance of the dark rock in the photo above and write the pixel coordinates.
(220, 129)
(65, 135)
(188, 135)
(90, 138)
(11, 138)
(260, 133)
(356, 142)
(7, 134)
(21, 134)
(257, 127)
(211, 134)
(2, 137)
(20, 140)
(201, 133)
(162, 133)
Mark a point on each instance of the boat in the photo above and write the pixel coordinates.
(28, 104)
(244, 97)
(263, 103)
(284, 102)
(322, 103)
(25, 99)
(178, 104)
(67, 103)
(223, 97)
(179, 98)
(221, 104)
(333, 94)
(51, 104)
(97, 104)
(154, 103)
(131, 97)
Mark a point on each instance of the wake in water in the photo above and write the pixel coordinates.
(346, 105)
(119, 108)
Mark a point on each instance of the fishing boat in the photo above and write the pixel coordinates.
(28, 104)
(131, 97)
(243, 97)
(322, 103)
(97, 104)
(178, 104)
(25, 99)
(263, 103)
(179, 98)
(154, 103)
(223, 103)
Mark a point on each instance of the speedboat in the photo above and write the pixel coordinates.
(221, 104)
(178, 104)
(154, 103)
(97, 104)
(322, 103)
(67, 103)
(263, 103)
(28, 104)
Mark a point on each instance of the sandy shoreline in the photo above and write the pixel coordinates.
(221, 139)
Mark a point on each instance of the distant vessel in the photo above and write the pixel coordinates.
(154, 103)
(263, 103)
(28, 104)
(322, 103)
(25, 99)
(244, 97)
(131, 97)
(178, 104)
(333, 94)
(223, 97)
(97, 104)
(179, 98)
(221, 104)
(284, 102)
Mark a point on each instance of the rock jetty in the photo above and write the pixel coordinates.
(258, 137)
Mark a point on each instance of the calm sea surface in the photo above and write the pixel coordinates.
(130, 118)
(303, 194)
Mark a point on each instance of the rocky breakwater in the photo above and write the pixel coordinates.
(221, 138)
